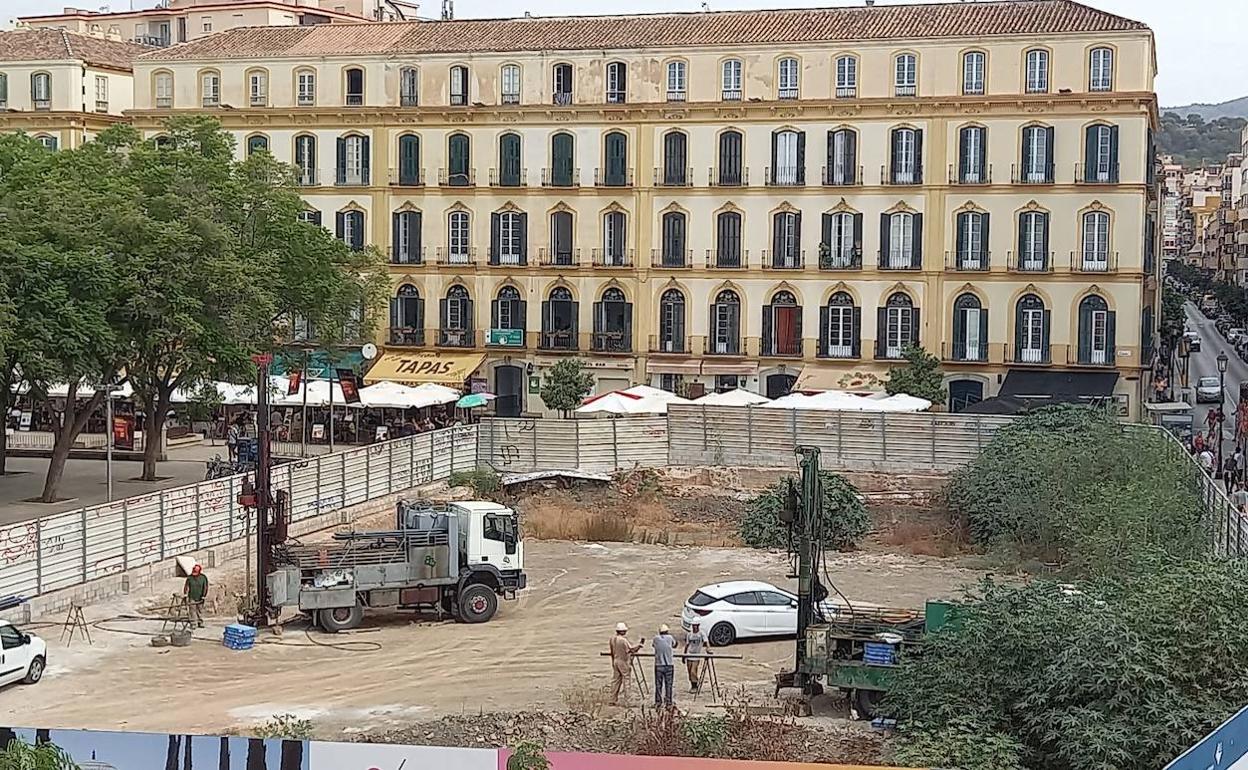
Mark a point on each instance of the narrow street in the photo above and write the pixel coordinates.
(1205, 364)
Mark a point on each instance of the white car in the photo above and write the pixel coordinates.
(741, 609)
(23, 657)
(1208, 389)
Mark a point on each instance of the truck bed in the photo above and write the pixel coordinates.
(351, 549)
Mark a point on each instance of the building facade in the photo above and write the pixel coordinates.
(711, 200)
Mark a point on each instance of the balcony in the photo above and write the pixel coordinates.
(1103, 357)
(837, 351)
(406, 336)
(612, 342)
(671, 260)
(561, 98)
(612, 258)
(355, 100)
(788, 176)
(409, 256)
(783, 260)
(354, 177)
(730, 95)
(613, 177)
(448, 178)
(899, 176)
(847, 92)
(162, 103)
(670, 345)
(1019, 175)
(832, 260)
(257, 100)
(967, 261)
(500, 178)
(617, 97)
(1040, 356)
(459, 256)
(1093, 262)
(1029, 262)
(456, 338)
(677, 96)
(888, 261)
(673, 177)
(724, 347)
(409, 99)
(459, 99)
(511, 99)
(727, 260)
(553, 177)
(1096, 174)
(965, 352)
(969, 176)
(739, 177)
(837, 176)
(905, 90)
(782, 348)
(308, 177)
(559, 257)
(100, 105)
(407, 177)
(506, 259)
(786, 93)
(562, 339)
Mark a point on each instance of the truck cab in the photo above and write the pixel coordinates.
(492, 534)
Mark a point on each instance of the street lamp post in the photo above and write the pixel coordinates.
(1222, 362)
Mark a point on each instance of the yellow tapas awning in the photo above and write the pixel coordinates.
(414, 368)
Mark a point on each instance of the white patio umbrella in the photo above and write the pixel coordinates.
(390, 395)
(737, 397)
(655, 394)
(614, 402)
(432, 394)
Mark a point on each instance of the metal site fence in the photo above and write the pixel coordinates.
(1228, 528)
(69, 548)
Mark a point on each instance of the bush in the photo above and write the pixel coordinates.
(845, 519)
(287, 726)
(484, 482)
(959, 745)
(1072, 487)
(1125, 673)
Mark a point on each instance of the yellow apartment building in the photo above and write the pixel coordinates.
(767, 199)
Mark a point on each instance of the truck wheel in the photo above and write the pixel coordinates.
(340, 618)
(477, 603)
(867, 702)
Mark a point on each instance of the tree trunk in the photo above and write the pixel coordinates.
(255, 754)
(187, 762)
(223, 755)
(292, 755)
(72, 421)
(171, 753)
(7, 399)
(154, 428)
(4, 435)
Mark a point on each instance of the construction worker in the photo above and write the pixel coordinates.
(622, 652)
(695, 644)
(664, 645)
(196, 591)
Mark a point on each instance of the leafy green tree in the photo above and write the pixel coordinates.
(528, 756)
(566, 385)
(19, 755)
(1193, 141)
(845, 519)
(920, 377)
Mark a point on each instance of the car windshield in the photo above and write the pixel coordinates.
(700, 599)
(1207, 382)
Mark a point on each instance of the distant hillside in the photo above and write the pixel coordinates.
(1192, 140)
(1235, 108)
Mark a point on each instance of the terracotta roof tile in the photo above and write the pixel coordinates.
(59, 45)
(795, 26)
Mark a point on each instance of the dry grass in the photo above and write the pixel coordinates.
(925, 537)
(587, 697)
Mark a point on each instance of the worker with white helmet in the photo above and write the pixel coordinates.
(664, 666)
(622, 652)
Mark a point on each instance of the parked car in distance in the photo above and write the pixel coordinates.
(23, 657)
(1193, 340)
(740, 609)
(1208, 389)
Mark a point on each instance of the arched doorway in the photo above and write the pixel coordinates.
(963, 393)
(780, 384)
(509, 387)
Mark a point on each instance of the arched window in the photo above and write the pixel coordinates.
(728, 252)
(787, 78)
(786, 240)
(1037, 66)
(510, 83)
(846, 77)
(725, 331)
(613, 323)
(509, 238)
(970, 329)
(509, 172)
(1095, 241)
(615, 159)
(841, 245)
(897, 326)
(1096, 331)
(672, 322)
(257, 143)
(840, 327)
(1101, 69)
(459, 161)
(407, 317)
(1037, 155)
(458, 238)
(906, 158)
(210, 88)
(559, 321)
(47, 141)
(675, 159)
(459, 85)
(350, 229)
(677, 81)
(974, 72)
(353, 161)
(842, 152)
(971, 247)
(731, 80)
(901, 238)
(354, 86)
(164, 90)
(1101, 154)
(973, 155)
(731, 171)
(410, 170)
(561, 84)
(788, 158)
(674, 241)
(1031, 330)
(561, 249)
(406, 247)
(906, 75)
(305, 87)
(1033, 241)
(409, 87)
(41, 90)
(562, 160)
(456, 325)
(782, 325)
(258, 88)
(614, 239)
(617, 82)
(508, 311)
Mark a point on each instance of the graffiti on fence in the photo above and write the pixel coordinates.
(19, 541)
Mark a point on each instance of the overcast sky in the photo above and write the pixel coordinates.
(1200, 43)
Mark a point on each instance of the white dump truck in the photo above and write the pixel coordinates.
(453, 559)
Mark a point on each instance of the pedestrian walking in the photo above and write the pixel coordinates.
(232, 436)
(1228, 473)
(664, 645)
(1206, 460)
(622, 652)
(1239, 464)
(196, 592)
(1198, 443)
(695, 644)
(1239, 498)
